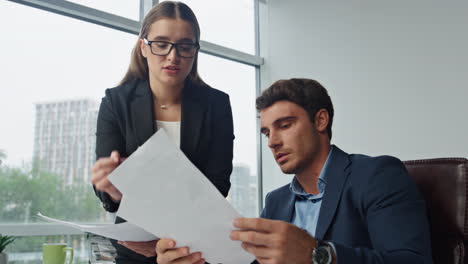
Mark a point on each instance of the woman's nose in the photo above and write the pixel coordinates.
(173, 54)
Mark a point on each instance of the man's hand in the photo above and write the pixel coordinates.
(167, 253)
(274, 242)
(147, 249)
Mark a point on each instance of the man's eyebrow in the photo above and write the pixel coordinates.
(264, 130)
(286, 118)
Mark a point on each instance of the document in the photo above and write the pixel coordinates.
(165, 194)
(123, 231)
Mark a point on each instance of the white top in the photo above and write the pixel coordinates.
(172, 129)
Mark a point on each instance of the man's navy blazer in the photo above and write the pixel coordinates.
(371, 210)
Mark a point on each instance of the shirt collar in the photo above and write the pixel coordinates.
(297, 189)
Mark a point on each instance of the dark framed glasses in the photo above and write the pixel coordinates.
(163, 48)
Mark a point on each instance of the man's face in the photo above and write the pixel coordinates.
(292, 137)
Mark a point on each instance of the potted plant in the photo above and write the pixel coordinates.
(4, 241)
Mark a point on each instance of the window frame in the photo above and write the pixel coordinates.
(127, 25)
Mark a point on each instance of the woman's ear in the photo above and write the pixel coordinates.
(142, 46)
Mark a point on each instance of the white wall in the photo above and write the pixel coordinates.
(397, 72)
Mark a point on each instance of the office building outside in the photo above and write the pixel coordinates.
(64, 138)
(243, 193)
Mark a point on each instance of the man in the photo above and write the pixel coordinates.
(339, 208)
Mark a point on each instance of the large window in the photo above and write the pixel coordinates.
(28, 250)
(228, 23)
(125, 8)
(238, 80)
(55, 69)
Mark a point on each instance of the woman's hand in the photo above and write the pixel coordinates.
(168, 254)
(147, 249)
(101, 170)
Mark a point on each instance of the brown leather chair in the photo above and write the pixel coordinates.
(444, 185)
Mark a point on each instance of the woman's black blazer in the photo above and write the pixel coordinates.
(126, 120)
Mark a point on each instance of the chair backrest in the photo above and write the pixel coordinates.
(443, 183)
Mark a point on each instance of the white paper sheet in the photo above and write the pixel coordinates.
(123, 231)
(164, 193)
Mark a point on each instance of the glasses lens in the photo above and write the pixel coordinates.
(160, 47)
(187, 50)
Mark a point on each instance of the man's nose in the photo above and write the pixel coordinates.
(274, 140)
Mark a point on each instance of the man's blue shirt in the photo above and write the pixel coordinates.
(307, 206)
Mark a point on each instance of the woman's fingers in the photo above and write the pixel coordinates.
(101, 170)
(115, 156)
(100, 175)
(114, 193)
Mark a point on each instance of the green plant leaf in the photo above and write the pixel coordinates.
(5, 241)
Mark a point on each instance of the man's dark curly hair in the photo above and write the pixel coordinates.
(307, 93)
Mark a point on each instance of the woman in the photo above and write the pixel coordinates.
(162, 89)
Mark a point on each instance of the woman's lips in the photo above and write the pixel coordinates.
(171, 69)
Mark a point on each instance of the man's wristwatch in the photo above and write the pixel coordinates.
(322, 254)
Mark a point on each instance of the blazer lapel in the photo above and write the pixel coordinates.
(336, 176)
(288, 205)
(193, 115)
(142, 112)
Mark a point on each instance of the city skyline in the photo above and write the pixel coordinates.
(65, 142)
(64, 138)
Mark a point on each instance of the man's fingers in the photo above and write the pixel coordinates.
(252, 237)
(201, 261)
(174, 255)
(164, 244)
(263, 260)
(168, 254)
(146, 249)
(190, 259)
(257, 224)
(257, 251)
(133, 244)
(177, 253)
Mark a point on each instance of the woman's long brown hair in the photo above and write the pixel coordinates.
(138, 68)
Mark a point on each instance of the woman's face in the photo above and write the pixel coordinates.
(170, 69)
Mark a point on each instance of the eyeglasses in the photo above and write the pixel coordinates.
(162, 48)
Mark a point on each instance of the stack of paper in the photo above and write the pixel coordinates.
(166, 195)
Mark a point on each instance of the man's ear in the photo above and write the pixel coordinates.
(321, 120)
